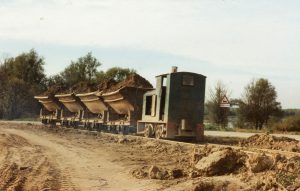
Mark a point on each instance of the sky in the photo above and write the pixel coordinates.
(232, 41)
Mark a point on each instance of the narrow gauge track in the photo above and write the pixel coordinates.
(249, 150)
(184, 142)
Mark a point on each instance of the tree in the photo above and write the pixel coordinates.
(17, 100)
(217, 114)
(259, 103)
(55, 80)
(21, 78)
(83, 70)
(28, 67)
(116, 73)
(3, 80)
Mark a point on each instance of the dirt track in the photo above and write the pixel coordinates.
(38, 158)
(66, 164)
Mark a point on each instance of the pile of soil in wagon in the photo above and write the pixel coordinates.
(52, 90)
(266, 141)
(133, 80)
(106, 84)
(81, 87)
(84, 87)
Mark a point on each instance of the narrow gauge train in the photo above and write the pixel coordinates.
(174, 109)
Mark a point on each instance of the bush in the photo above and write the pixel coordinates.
(211, 127)
(288, 124)
(215, 127)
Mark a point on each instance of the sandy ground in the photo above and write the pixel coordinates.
(69, 163)
(33, 157)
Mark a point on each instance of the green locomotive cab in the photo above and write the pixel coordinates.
(175, 109)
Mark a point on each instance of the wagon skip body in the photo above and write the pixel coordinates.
(127, 102)
(98, 110)
(75, 109)
(50, 112)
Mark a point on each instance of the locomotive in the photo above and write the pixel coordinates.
(173, 109)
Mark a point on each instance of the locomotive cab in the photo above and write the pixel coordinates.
(175, 108)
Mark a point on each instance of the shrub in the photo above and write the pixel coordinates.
(291, 123)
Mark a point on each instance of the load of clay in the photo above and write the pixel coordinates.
(53, 90)
(106, 84)
(84, 87)
(266, 141)
(81, 87)
(133, 80)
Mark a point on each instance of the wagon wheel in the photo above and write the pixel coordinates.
(76, 124)
(92, 126)
(85, 125)
(52, 123)
(148, 130)
(158, 132)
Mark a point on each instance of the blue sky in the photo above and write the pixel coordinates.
(233, 41)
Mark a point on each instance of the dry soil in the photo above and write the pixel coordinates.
(34, 157)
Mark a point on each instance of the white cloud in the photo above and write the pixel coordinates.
(260, 36)
(217, 31)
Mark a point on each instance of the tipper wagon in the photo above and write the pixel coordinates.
(127, 103)
(74, 109)
(98, 110)
(51, 111)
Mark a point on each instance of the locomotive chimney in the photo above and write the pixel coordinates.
(174, 69)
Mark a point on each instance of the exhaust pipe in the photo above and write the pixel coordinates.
(174, 69)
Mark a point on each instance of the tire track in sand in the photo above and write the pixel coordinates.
(80, 167)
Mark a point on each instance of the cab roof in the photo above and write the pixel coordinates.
(192, 73)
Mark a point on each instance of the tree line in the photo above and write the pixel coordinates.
(257, 108)
(22, 77)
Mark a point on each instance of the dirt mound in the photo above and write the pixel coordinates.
(267, 183)
(222, 161)
(106, 84)
(81, 87)
(288, 172)
(260, 162)
(133, 80)
(140, 173)
(266, 141)
(155, 172)
(214, 185)
(158, 173)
